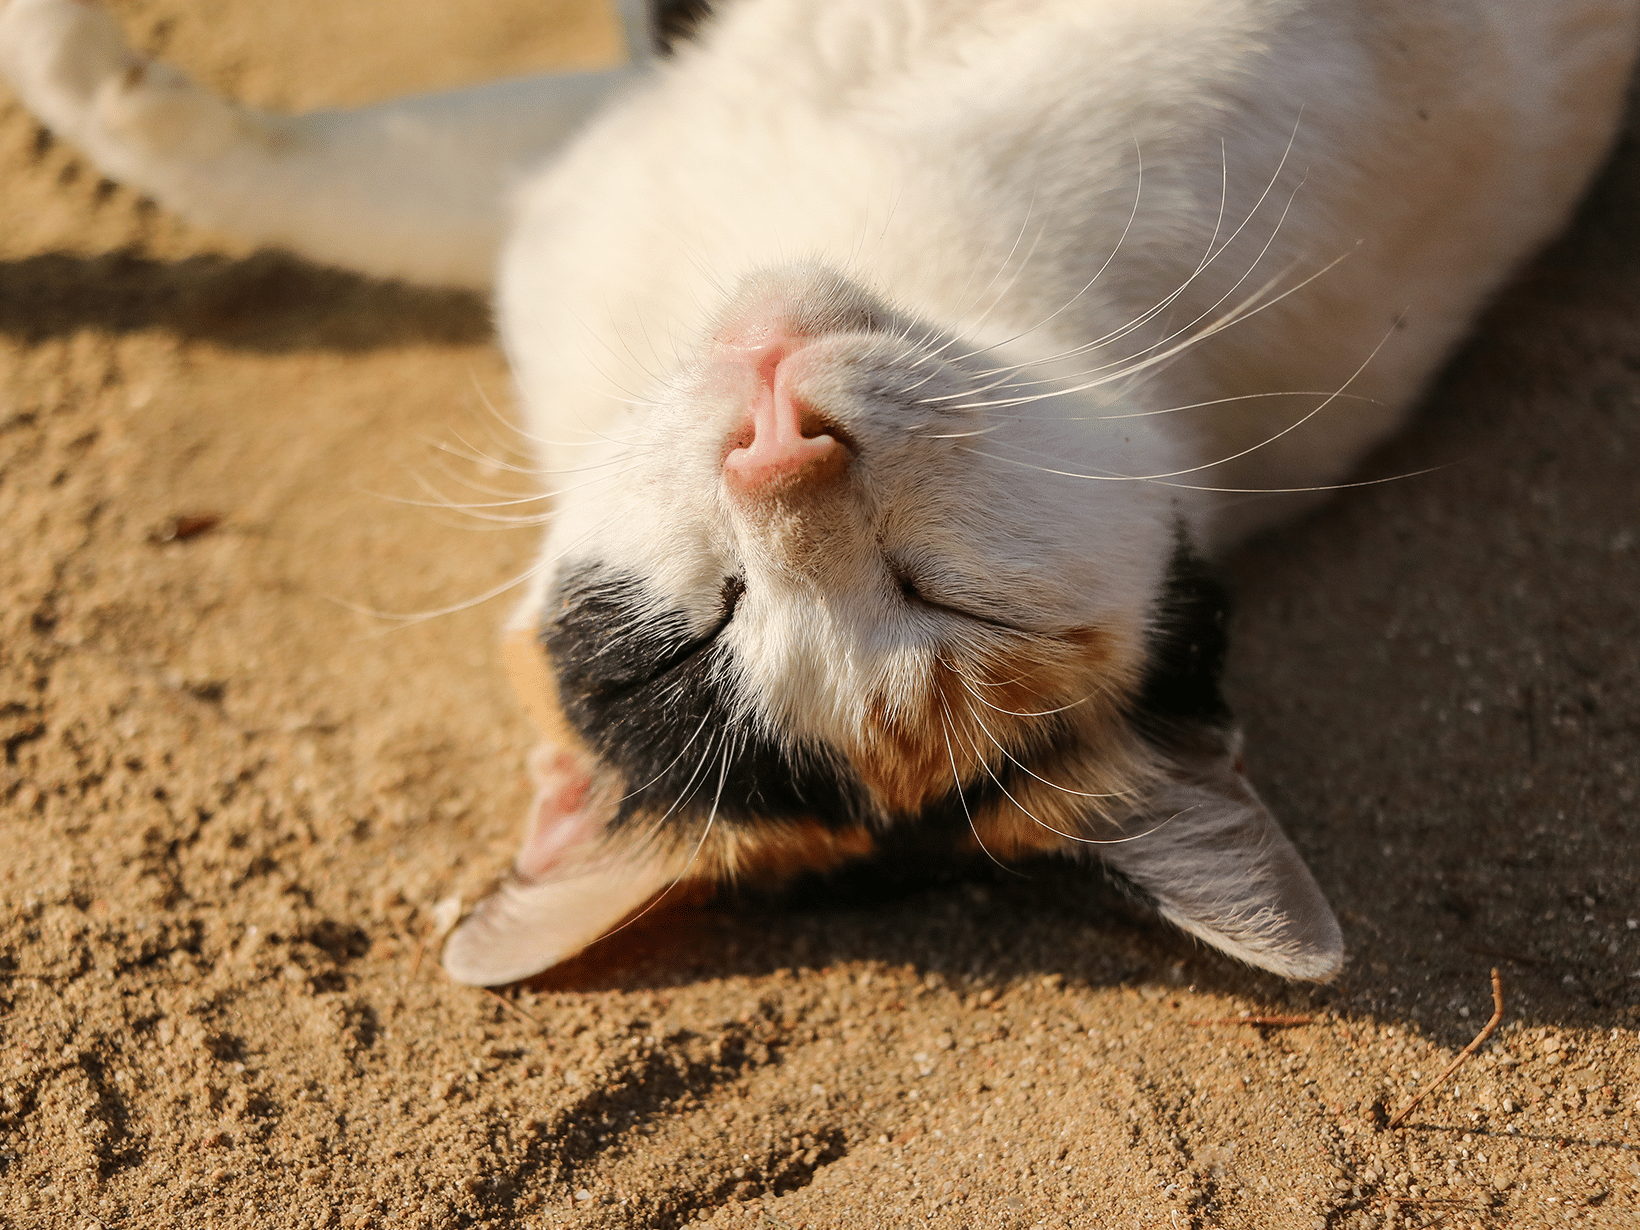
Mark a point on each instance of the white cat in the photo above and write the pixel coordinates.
(894, 362)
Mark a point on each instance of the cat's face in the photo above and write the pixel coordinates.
(850, 588)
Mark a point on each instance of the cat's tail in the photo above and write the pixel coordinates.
(415, 188)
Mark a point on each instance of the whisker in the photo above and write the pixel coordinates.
(1024, 223)
(403, 620)
(687, 790)
(1246, 310)
(968, 684)
(717, 798)
(1210, 255)
(1365, 482)
(1081, 794)
(1138, 191)
(688, 863)
(475, 508)
(1026, 810)
(1195, 405)
(1085, 841)
(482, 459)
(956, 780)
(633, 793)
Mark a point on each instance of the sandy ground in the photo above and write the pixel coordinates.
(229, 801)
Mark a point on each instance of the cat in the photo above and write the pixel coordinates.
(896, 366)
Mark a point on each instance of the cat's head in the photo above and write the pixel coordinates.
(849, 584)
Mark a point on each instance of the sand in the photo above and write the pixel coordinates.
(232, 799)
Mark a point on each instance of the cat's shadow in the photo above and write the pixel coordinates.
(269, 302)
(969, 926)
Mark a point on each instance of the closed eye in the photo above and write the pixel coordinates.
(915, 597)
(657, 659)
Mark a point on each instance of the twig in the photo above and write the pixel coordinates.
(507, 1003)
(1485, 1033)
(415, 966)
(1278, 1022)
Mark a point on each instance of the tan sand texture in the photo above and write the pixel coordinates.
(231, 799)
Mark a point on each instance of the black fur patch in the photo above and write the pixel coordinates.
(1185, 652)
(652, 697)
(677, 20)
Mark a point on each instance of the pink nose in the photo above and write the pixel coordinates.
(791, 444)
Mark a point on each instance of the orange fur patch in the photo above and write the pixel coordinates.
(529, 670)
(770, 853)
(980, 700)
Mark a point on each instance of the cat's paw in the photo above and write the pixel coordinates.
(61, 56)
(141, 121)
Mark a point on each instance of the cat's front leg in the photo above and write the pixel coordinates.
(414, 188)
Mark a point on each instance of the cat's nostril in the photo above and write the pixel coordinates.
(786, 443)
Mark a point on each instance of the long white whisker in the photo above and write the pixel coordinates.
(1365, 482)
(640, 789)
(1195, 405)
(1293, 426)
(401, 620)
(1210, 255)
(956, 781)
(482, 459)
(1034, 817)
(474, 511)
(1085, 841)
(1081, 794)
(968, 685)
(1024, 223)
(1246, 310)
(693, 854)
(1138, 192)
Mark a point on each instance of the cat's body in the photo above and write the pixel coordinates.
(828, 571)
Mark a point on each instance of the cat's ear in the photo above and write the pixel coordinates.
(1211, 857)
(569, 886)
(1213, 861)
